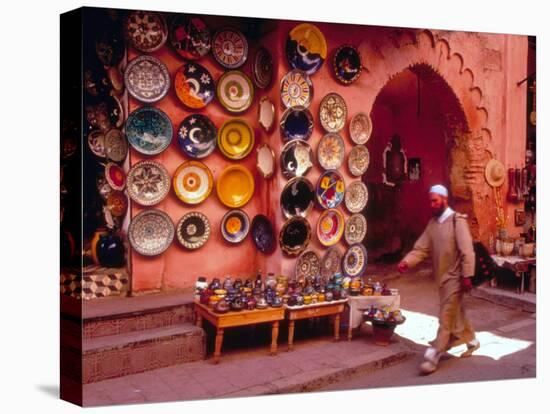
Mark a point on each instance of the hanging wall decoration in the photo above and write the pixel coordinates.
(147, 79)
(194, 85)
(146, 30)
(148, 183)
(330, 151)
(229, 47)
(151, 232)
(296, 123)
(234, 226)
(356, 229)
(306, 48)
(148, 130)
(193, 230)
(197, 136)
(262, 68)
(190, 37)
(330, 189)
(294, 236)
(296, 89)
(193, 182)
(296, 159)
(347, 64)
(333, 112)
(330, 227)
(360, 128)
(235, 186)
(358, 160)
(236, 139)
(297, 197)
(235, 91)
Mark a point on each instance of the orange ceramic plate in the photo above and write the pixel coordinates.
(193, 182)
(235, 186)
(236, 139)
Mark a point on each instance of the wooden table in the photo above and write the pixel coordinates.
(294, 313)
(233, 319)
(358, 304)
(517, 264)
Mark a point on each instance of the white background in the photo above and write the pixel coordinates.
(29, 142)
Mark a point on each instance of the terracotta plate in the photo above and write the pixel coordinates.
(360, 128)
(236, 139)
(117, 203)
(296, 159)
(330, 227)
(116, 146)
(306, 48)
(347, 64)
(193, 182)
(296, 89)
(297, 197)
(146, 30)
(308, 265)
(262, 69)
(331, 262)
(115, 176)
(193, 230)
(197, 136)
(147, 79)
(190, 37)
(333, 112)
(235, 226)
(265, 161)
(194, 85)
(331, 151)
(266, 113)
(229, 47)
(297, 123)
(294, 236)
(358, 160)
(151, 232)
(263, 234)
(354, 262)
(235, 186)
(148, 183)
(149, 130)
(235, 91)
(96, 143)
(356, 197)
(356, 229)
(330, 189)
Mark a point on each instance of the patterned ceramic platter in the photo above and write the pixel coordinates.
(147, 79)
(194, 85)
(330, 189)
(193, 182)
(263, 234)
(294, 236)
(235, 139)
(330, 151)
(235, 226)
(306, 48)
(308, 265)
(354, 262)
(331, 262)
(235, 91)
(333, 112)
(190, 37)
(330, 227)
(235, 186)
(117, 203)
(148, 183)
(262, 68)
(193, 230)
(296, 89)
(360, 128)
(356, 197)
(297, 123)
(151, 232)
(105, 114)
(297, 197)
(356, 229)
(265, 161)
(197, 136)
(96, 143)
(115, 176)
(146, 30)
(358, 160)
(296, 159)
(229, 47)
(149, 130)
(116, 146)
(266, 113)
(347, 64)
(103, 187)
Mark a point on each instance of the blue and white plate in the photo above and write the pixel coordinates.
(148, 130)
(197, 136)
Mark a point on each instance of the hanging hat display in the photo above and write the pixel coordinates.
(495, 173)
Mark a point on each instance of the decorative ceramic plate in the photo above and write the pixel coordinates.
(265, 161)
(197, 136)
(330, 151)
(266, 113)
(190, 37)
(262, 68)
(294, 236)
(147, 79)
(356, 197)
(354, 262)
(148, 183)
(151, 232)
(358, 160)
(116, 146)
(330, 189)
(296, 89)
(235, 186)
(262, 234)
(297, 123)
(104, 115)
(360, 128)
(235, 139)
(146, 30)
(193, 230)
(96, 143)
(229, 47)
(308, 265)
(347, 64)
(331, 262)
(103, 187)
(306, 48)
(356, 229)
(333, 112)
(194, 85)
(115, 176)
(193, 182)
(330, 227)
(149, 130)
(297, 197)
(235, 226)
(235, 91)
(296, 158)
(117, 203)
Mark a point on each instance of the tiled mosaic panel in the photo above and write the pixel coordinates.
(97, 284)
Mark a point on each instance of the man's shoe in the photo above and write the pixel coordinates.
(471, 347)
(427, 367)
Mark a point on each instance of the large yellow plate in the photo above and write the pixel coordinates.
(235, 139)
(235, 186)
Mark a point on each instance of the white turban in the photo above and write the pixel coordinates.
(439, 189)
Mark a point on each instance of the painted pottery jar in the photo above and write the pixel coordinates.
(110, 250)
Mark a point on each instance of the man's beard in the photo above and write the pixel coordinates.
(439, 211)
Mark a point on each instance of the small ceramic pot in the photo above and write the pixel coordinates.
(110, 250)
(221, 306)
(329, 297)
(215, 284)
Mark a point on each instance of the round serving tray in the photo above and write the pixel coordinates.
(151, 232)
(148, 182)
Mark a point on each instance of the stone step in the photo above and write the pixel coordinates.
(525, 301)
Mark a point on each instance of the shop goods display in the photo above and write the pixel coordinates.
(296, 123)
(103, 187)
(197, 136)
(235, 186)
(330, 189)
(265, 161)
(106, 114)
(148, 183)
(235, 91)
(308, 265)
(294, 236)
(262, 68)
(148, 130)
(193, 182)
(263, 234)
(330, 227)
(189, 37)
(306, 48)
(116, 79)
(117, 203)
(358, 160)
(96, 143)
(110, 250)
(229, 47)
(360, 128)
(495, 173)
(297, 197)
(116, 146)
(331, 151)
(346, 64)
(266, 113)
(331, 262)
(110, 46)
(147, 79)
(357, 196)
(235, 139)
(193, 230)
(356, 229)
(354, 262)
(296, 89)
(194, 85)
(115, 176)
(146, 30)
(296, 159)
(235, 226)
(333, 112)
(151, 232)
(95, 81)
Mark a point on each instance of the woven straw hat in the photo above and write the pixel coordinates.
(495, 173)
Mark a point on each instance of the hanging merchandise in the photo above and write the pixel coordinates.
(235, 91)
(294, 236)
(330, 189)
(360, 128)
(358, 160)
(297, 197)
(296, 89)
(331, 263)
(330, 151)
(193, 182)
(330, 227)
(262, 68)
(354, 262)
(266, 113)
(235, 186)
(146, 30)
(193, 230)
(147, 79)
(347, 64)
(297, 123)
(148, 183)
(306, 48)
(265, 161)
(194, 85)
(236, 139)
(296, 159)
(116, 146)
(356, 229)
(333, 112)
(115, 176)
(357, 196)
(197, 136)
(307, 266)
(151, 232)
(190, 37)
(229, 47)
(148, 130)
(263, 234)
(235, 226)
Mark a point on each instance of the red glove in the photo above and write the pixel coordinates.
(466, 284)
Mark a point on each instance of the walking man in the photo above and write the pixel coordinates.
(448, 241)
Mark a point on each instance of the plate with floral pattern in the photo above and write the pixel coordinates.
(151, 232)
(296, 123)
(194, 85)
(356, 197)
(306, 48)
(347, 64)
(197, 136)
(193, 230)
(147, 79)
(296, 89)
(358, 160)
(148, 130)
(116, 146)
(330, 227)
(146, 30)
(229, 47)
(333, 112)
(330, 151)
(296, 159)
(360, 128)
(235, 225)
(331, 262)
(148, 182)
(354, 261)
(330, 189)
(294, 236)
(190, 37)
(235, 91)
(356, 229)
(193, 182)
(307, 266)
(262, 70)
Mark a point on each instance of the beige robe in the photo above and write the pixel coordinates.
(452, 255)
